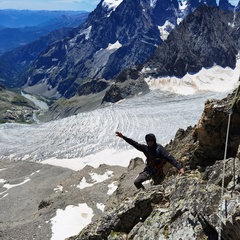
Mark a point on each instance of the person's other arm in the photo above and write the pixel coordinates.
(166, 155)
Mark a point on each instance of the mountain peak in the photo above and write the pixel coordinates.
(111, 5)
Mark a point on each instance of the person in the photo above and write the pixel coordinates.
(156, 156)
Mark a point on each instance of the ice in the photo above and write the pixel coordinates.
(114, 46)
(91, 133)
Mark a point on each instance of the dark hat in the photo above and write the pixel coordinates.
(150, 137)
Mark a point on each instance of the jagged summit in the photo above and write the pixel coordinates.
(113, 38)
(207, 37)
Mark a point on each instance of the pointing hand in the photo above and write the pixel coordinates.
(118, 134)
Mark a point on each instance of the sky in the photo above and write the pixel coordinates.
(88, 5)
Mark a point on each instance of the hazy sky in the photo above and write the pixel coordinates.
(88, 5)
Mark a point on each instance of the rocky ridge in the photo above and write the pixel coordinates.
(109, 41)
(209, 36)
(174, 210)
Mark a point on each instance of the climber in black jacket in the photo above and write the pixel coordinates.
(156, 156)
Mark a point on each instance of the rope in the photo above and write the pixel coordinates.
(222, 201)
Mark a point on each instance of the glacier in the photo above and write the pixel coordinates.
(88, 133)
(89, 137)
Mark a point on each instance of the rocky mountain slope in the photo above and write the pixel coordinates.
(206, 37)
(111, 39)
(16, 62)
(172, 210)
(175, 209)
(90, 59)
(25, 44)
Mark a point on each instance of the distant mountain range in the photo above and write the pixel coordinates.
(18, 28)
(11, 18)
(166, 37)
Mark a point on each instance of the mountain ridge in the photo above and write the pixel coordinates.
(97, 58)
(198, 42)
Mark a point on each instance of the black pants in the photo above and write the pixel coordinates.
(144, 176)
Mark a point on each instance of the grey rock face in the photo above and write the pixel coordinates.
(206, 37)
(183, 207)
(109, 42)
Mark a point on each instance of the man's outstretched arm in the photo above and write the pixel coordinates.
(135, 144)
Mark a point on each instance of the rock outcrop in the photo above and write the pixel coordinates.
(205, 143)
(190, 206)
(174, 210)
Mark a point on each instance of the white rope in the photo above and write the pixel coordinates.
(222, 201)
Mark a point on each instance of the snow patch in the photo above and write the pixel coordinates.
(112, 188)
(95, 179)
(2, 181)
(114, 46)
(111, 4)
(101, 206)
(38, 171)
(83, 184)
(59, 188)
(182, 5)
(165, 29)
(216, 79)
(3, 196)
(86, 32)
(9, 186)
(111, 157)
(70, 221)
(153, 3)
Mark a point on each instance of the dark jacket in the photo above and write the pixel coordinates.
(156, 156)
